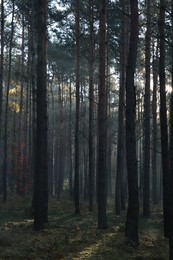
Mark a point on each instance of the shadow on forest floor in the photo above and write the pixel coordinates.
(67, 236)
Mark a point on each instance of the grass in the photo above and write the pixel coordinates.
(67, 236)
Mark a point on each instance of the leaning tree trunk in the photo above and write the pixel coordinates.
(133, 201)
(41, 157)
(102, 122)
(163, 120)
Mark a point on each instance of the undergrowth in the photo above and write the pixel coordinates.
(67, 236)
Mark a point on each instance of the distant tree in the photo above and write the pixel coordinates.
(41, 156)
(102, 121)
(131, 230)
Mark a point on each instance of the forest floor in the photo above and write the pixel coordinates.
(67, 236)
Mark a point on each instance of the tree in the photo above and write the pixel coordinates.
(163, 119)
(121, 115)
(154, 131)
(76, 175)
(131, 230)
(1, 74)
(91, 107)
(41, 157)
(171, 155)
(5, 161)
(146, 188)
(102, 118)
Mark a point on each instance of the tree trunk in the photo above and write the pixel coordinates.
(146, 188)
(41, 157)
(171, 159)
(163, 120)
(133, 201)
(70, 145)
(77, 168)
(102, 122)
(1, 78)
(155, 198)
(5, 162)
(91, 108)
(121, 115)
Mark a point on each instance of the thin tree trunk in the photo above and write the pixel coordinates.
(77, 168)
(102, 122)
(70, 145)
(133, 201)
(163, 120)
(91, 107)
(1, 65)
(5, 162)
(146, 187)
(20, 170)
(155, 179)
(1, 77)
(121, 114)
(171, 158)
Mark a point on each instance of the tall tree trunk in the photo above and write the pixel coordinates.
(121, 114)
(171, 158)
(5, 162)
(102, 122)
(146, 188)
(41, 157)
(163, 120)
(133, 201)
(1, 76)
(91, 107)
(70, 145)
(155, 198)
(76, 176)
(20, 170)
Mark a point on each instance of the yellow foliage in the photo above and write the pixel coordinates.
(14, 107)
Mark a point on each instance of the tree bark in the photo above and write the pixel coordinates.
(102, 122)
(146, 187)
(91, 107)
(76, 175)
(121, 116)
(41, 157)
(163, 120)
(155, 198)
(1, 78)
(5, 162)
(133, 201)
